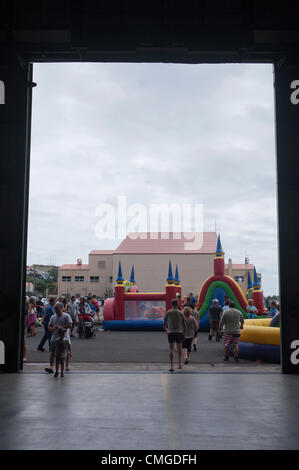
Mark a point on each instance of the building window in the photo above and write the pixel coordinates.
(110, 279)
(94, 279)
(79, 278)
(239, 278)
(101, 264)
(66, 278)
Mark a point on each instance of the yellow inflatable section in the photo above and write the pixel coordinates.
(259, 321)
(258, 331)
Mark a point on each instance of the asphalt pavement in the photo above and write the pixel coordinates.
(126, 347)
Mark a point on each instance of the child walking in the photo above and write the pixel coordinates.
(191, 329)
(61, 348)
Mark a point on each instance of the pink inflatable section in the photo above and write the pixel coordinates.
(109, 309)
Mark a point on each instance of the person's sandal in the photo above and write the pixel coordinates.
(171, 370)
(56, 374)
(50, 371)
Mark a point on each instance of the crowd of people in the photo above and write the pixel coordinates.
(226, 324)
(182, 327)
(59, 317)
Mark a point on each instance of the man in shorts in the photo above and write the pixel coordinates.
(232, 320)
(215, 315)
(58, 321)
(175, 327)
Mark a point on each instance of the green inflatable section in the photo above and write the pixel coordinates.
(227, 289)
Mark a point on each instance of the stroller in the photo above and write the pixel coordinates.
(85, 326)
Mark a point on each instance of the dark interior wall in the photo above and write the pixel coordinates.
(287, 147)
(187, 31)
(15, 116)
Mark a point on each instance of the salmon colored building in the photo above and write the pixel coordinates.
(150, 254)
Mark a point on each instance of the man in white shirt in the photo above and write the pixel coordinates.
(232, 320)
(58, 321)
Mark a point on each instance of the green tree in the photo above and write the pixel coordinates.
(269, 298)
(41, 286)
(53, 274)
(52, 287)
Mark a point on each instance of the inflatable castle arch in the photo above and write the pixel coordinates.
(220, 285)
(134, 310)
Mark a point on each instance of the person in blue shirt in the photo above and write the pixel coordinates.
(273, 308)
(92, 307)
(275, 320)
(192, 299)
(47, 334)
(251, 309)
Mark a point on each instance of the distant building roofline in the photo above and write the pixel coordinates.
(102, 252)
(166, 243)
(79, 267)
(240, 266)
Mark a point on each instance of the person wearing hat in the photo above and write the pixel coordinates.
(215, 315)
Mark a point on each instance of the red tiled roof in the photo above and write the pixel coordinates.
(101, 252)
(74, 266)
(148, 244)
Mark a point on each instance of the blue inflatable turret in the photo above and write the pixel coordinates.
(170, 279)
(256, 282)
(249, 283)
(176, 277)
(132, 278)
(119, 279)
(219, 250)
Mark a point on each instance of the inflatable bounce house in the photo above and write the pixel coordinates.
(220, 286)
(134, 310)
(131, 310)
(258, 340)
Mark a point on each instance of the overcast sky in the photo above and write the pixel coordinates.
(155, 133)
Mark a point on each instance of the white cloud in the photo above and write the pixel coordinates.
(154, 133)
